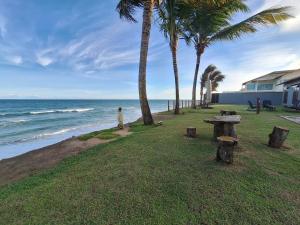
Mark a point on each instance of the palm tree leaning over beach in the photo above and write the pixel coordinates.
(169, 18)
(126, 9)
(215, 80)
(209, 22)
(214, 75)
(204, 77)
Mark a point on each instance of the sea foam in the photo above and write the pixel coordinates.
(47, 112)
(62, 111)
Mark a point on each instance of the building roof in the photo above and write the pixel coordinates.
(294, 81)
(272, 76)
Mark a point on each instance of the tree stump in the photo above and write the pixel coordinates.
(278, 136)
(225, 149)
(191, 132)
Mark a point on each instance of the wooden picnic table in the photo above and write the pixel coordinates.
(224, 125)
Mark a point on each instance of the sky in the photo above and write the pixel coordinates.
(82, 49)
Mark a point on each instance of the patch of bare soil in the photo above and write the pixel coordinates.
(291, 196)
(162, 117)
(18, 167)
(124, 132)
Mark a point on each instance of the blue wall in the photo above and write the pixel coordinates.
(241, 98)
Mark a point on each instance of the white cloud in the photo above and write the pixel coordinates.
(79, 66)
(43, 58)
(294, 64)
(109, 59)
(90, 72)
(185, 92)
(269, 57)
(99, 45)
(71, 48)
(17, 60)
(291, 25)
(3, 29)
(88, 52)
(257, 62)
(44, 61)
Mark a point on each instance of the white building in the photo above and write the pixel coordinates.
(272, 82)
(291, 97)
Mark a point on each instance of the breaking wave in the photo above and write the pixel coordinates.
(79, 110)
(55, 132)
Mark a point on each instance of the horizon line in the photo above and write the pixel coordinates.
(106, 99)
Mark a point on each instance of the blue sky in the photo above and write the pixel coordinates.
(75, 49)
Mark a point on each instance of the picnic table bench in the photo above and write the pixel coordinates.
(226, 148)
(224, 125)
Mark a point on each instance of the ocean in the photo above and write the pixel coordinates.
(30, 124)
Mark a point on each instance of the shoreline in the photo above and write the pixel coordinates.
(20, 166)
(25, 147)
(43, 143)
(20, 138)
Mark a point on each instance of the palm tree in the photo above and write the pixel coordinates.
(209, 22)
(215, 81)
(169, 16)
(215, 76)
(126, 9)
(204, 77)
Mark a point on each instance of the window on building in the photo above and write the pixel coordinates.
(264, 87)
(251, 86)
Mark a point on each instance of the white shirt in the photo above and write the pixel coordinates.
(120, 117)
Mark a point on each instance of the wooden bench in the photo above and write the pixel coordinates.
(224, 125)
(226, 145)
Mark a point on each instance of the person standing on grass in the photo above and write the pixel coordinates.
(120, 119)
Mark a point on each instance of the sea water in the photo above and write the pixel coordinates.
(29, 124)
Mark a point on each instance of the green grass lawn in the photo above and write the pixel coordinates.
(158, 176)
(105, 135)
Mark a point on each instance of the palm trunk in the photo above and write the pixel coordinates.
(175, 68)
(195, 79)
(147, 20)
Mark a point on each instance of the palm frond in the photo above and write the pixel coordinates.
(187, 38)
(209, 16)
(207, 72)
(215, 82)
(214, 74)
(126, 8)
(218, 78)
(266, 17)
(170, 19)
